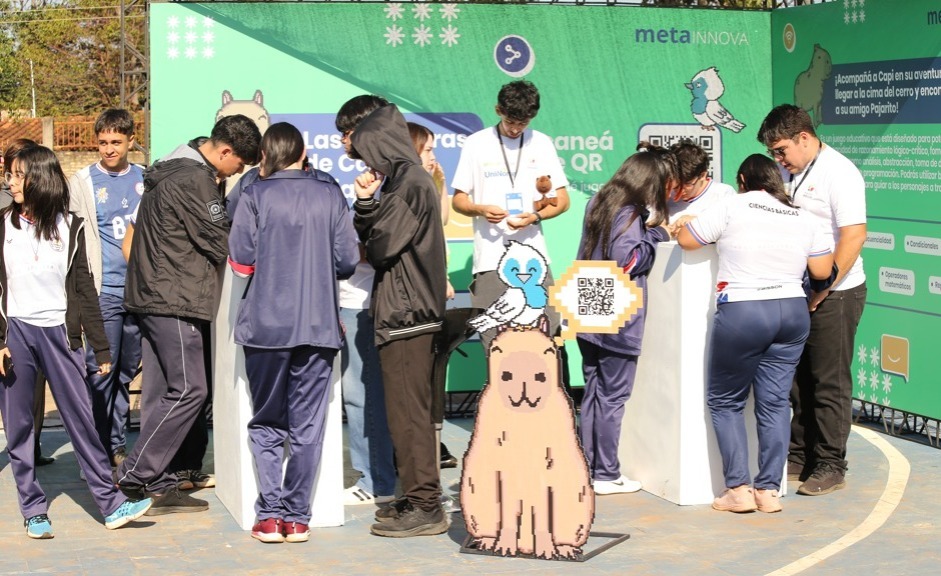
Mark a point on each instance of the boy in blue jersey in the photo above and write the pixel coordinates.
(105, 195)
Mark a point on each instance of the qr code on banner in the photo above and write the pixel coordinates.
(668, 134)
(595, 296)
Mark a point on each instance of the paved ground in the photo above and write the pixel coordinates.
(885, 522)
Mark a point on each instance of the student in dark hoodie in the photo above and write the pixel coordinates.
(398, 219)
(181, 235)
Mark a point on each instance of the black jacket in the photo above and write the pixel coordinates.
(180, 236)
(81, 309)
(401, 232)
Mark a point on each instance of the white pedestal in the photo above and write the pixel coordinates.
(667, 439)
(236, 483)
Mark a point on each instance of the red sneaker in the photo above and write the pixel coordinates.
(269, 530)
(296, 532)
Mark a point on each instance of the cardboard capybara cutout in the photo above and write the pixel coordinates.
(525, 487)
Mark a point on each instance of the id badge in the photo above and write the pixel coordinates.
(514, 203)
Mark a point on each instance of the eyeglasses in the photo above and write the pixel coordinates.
(10, 176)
(779, 152)
(692, 183)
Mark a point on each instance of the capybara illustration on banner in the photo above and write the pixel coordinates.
(808, 87)
(253, 109)
(525, 487)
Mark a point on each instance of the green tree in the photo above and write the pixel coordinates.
(75, 48)
(741, 4)
(9, 71)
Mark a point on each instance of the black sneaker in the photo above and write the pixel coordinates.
(414, 522)
(826, 478)
(448, 460)
(132, 491)
(394, 508)
(190, 479)
(173, 501)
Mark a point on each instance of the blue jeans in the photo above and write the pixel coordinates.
(109, 393)
(364, 402)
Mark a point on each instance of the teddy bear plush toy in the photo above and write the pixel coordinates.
(544, 186)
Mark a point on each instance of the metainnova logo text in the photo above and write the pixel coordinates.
(674, 36)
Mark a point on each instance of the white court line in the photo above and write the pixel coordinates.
(899, 471)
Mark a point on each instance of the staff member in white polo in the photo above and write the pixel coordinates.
(826, 184)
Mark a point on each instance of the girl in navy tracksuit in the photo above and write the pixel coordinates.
(615, 229)
(48, 299)
(293, 235)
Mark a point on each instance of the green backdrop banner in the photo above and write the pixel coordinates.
(608, 76)
(879, 103)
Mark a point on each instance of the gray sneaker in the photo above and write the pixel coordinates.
(396, 507)
(173, 501)
(826, 478)
(414, 522)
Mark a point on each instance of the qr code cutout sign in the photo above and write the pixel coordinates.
(668, 134)
(595, 296)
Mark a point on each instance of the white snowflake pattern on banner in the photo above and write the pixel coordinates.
(886, 401)
(449, 35)
(887, 383)
(421, 11)
(874, 356)
(195, 42)
(423, 35)
(854, 11)
(449, 11)
(393, 11)
(861, 378)
(874, 379)
(394, 35)
(862, 354)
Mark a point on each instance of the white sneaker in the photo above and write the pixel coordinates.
(622, 485)
(354, 496)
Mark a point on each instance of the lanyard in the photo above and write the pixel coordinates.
(506, 162)
(804, 177)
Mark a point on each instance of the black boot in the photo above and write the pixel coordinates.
(448, 460)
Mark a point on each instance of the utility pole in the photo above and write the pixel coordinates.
(32, 85)
(138, 73)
